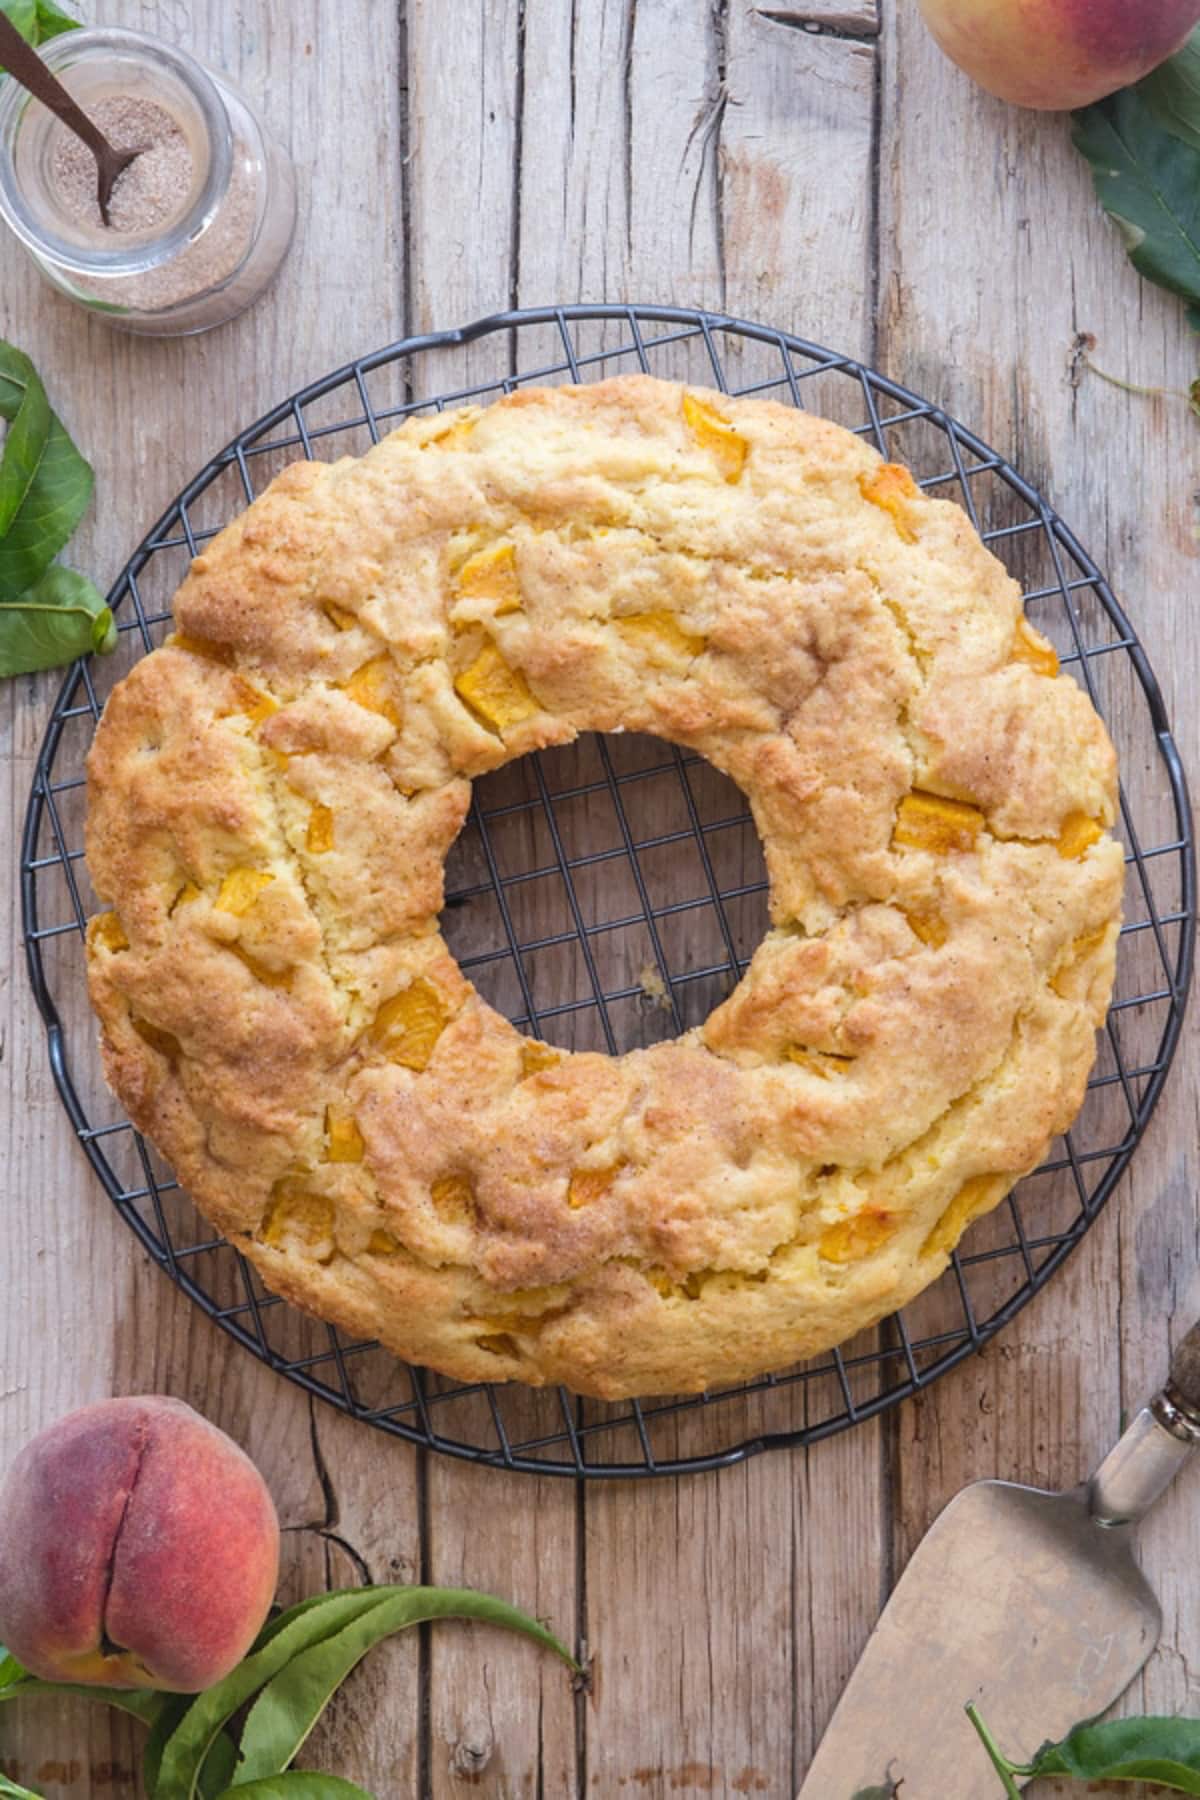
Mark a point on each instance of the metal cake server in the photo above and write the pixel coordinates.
(1028, 1603)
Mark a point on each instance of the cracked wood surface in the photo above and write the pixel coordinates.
(820, 167)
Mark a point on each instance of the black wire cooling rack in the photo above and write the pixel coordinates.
(610, 893)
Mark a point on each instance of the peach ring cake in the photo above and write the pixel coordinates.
(273, 792)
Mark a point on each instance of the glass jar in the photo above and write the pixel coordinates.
(210, 236)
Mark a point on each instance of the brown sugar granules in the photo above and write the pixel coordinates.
(153, 190)
(150, 197)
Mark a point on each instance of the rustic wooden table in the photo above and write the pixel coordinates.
(818, 166)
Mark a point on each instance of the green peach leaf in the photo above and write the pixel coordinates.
(61, 617)
(218, 1767)
(1148, 181)
(23, 14)
(291, 1703)
(140, 1703)
(38, 20)
(52, 21)
(282, 1620)
(9, 1790)
(185, 1751)
(25, 443)
(1172, 92)
(56, 498)
(1166, 1751)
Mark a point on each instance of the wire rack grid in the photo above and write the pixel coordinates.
(609, 893)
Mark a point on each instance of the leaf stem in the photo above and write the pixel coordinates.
(1132, 387)
(1082, 360)
(1004, 1769)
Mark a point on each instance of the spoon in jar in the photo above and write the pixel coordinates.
(22, 62)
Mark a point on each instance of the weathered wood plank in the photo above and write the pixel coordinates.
(857, 18)
(501, 1715)
(796, 172)
(463, 111)
(987, 299)
(736, 1571)
(619, 193)
(87, 1314)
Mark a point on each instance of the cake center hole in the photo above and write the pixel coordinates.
(607, 894)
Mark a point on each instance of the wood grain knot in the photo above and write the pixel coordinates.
(472, 1754)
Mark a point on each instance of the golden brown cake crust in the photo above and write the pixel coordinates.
(272, 795)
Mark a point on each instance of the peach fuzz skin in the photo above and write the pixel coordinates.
(139, 1547)
(1058, 54)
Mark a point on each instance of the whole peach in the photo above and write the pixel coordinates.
(139, 1547)
(1057, 54)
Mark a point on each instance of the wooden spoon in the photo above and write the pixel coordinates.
(23, 63)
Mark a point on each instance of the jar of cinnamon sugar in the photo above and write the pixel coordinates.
(199, 222)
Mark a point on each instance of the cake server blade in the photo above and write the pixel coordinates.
(1028, 1603)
